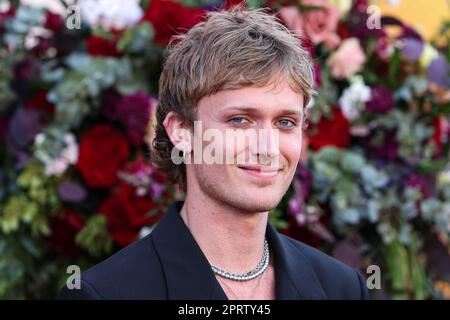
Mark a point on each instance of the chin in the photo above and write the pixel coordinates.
(261, 202)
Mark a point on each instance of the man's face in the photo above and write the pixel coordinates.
(264, 163)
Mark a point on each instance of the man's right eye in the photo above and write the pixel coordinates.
(237, 120)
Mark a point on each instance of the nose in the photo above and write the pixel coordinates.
(267, 146)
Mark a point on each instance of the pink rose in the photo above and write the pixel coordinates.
(347, 60)
(318, 25)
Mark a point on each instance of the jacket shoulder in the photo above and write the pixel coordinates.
(338, 280)
(134, 272)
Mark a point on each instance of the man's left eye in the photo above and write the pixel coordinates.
(287, 123)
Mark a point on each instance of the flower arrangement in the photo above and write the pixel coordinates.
(77, 112)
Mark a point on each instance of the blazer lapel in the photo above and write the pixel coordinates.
(187, 271)
(294, 276)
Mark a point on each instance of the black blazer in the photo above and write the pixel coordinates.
(168, 264)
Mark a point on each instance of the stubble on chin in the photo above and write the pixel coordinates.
(234, 197)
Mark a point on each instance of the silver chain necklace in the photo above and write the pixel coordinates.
(260, 268)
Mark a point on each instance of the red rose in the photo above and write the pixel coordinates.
(331, 132)
(127, 212)
(65, 227)
(99, 46)
(169, 18)
(440, 135)
(39, 102)
(119, 225)
(103, 150)
(53, 22)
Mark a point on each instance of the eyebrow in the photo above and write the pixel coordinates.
(256, 110)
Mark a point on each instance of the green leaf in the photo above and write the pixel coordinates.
(94, 237)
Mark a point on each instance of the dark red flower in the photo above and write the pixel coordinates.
(39, 102)
(441, 134)
(100, 46)
(53, 22)
(65, 226)
(103, 151)
(133, 112)
(302, 234)
(169, 18)
(388, 149)
(127, 212)
(119, 224)
(4, 16)
(381, 100)
(331, 132)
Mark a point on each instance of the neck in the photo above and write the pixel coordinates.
(230, 238)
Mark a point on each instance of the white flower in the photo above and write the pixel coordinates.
(56, 167)
(69, 156)
(144, 232)
(353, 99)
(70, 153)
(110, 14)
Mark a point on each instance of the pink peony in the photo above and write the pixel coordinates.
(348, 59)
(318, 25)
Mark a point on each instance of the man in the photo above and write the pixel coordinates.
(232, 100)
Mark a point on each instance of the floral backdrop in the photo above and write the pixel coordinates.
(77, 100)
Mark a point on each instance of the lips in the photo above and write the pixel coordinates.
(260, 171)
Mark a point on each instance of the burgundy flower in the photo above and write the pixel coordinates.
(110, 99)
(26, 69)
(65, 227)
(422, 183)
(39, 102)
(305, 177)
(4, 16)
(134, 112)
(317, 77)
(53, 22)
(301, 233)
(389, 149)
(382, 100)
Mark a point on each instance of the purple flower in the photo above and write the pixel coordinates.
(424, 184)
(358, 18)
(412, 49)
(156, 189)
(438, 72)
(110, 100)
(317, 77)
(71, 191)
(23, 127)
(381, 100)
(26, 69)
(389, 149)
(133, 112)
(305, 178)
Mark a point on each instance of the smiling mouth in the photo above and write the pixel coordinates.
(260, 172)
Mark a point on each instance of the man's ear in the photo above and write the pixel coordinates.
(178, 131)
